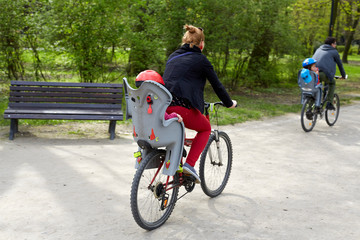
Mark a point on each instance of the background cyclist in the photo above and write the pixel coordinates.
(327, 57)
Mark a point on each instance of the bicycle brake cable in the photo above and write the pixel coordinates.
(214, 109)
(216, 116)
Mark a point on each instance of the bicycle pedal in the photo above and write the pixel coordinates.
(184, 153)
(189, 176)
(164, 201)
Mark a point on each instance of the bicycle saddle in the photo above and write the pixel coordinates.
(146, 106)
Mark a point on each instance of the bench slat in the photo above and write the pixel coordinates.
(67, 94)
(63, 111)
(58, 89)
(64, 117)
(64, 100)
(67, 84)
(63, 105)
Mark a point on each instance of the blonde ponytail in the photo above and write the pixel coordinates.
(193, 35)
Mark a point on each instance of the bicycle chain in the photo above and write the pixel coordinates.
(176, 200)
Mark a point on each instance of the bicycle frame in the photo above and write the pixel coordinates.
(309, 112)
(324, 89)
(188, 142)
(154, 192)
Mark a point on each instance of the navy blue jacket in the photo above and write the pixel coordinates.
(326, 58)
(185, 76)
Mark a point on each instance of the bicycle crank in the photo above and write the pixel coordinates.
(189, 182)
(158, 190)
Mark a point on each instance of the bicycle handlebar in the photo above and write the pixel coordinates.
(208, 105)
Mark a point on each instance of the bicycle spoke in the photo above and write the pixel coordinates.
(215, 165)
(308, 115)
(331, 116)
(151, 204)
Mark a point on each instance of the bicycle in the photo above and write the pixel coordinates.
(309, 113)
(154, 194)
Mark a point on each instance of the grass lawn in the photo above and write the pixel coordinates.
(252, 104)
(262, 103)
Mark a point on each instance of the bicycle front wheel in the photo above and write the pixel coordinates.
(331, 116)
(308, 115)
(151, 204)
(215, 164)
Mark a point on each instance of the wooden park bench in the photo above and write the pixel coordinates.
(64, 101)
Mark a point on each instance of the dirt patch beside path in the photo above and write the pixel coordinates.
(69, 130)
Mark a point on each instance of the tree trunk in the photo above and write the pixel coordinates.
(259, 59)
(335, 12)
(338, 12)
(37, 61)
(349, 36)
(259, 66)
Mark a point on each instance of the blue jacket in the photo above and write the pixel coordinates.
(326, 58)
(185, 76)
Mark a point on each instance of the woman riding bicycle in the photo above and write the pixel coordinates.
(185, 76)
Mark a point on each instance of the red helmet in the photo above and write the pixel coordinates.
(148, 75)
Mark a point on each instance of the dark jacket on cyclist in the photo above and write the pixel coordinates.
(326, 58)
(185, 77)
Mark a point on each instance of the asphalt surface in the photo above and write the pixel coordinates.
(285, 184)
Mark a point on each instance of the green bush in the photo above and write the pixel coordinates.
(3, 106)
(354, 50)
(340, 48)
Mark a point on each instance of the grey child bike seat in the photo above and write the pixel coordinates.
(310, 86)
(146, 106)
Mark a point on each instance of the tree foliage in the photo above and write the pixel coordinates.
(250, 43)
(12, 25)
(311, 21)
(351, 8)
(86, 30)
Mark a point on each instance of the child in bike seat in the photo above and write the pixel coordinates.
(156, 77)
(309, 81)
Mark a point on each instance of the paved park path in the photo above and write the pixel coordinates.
(285, 184)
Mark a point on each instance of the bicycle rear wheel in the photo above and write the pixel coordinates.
(151, 204)
(308, 115)
(215, 164)
(331, 116)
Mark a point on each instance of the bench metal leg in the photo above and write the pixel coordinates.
(13, 128)
(112, 127)
(16, 125)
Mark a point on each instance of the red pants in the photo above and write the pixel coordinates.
(194, 120)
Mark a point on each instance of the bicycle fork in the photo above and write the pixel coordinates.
(218, 149)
